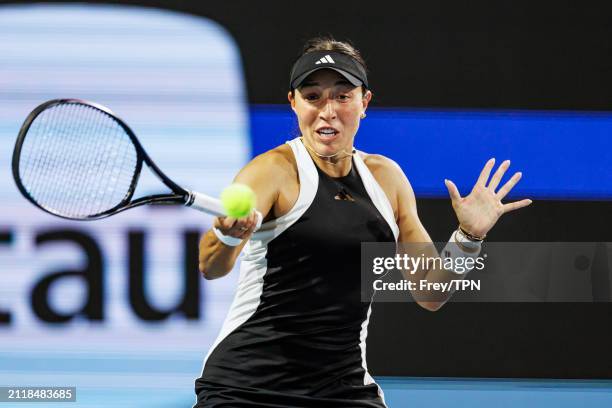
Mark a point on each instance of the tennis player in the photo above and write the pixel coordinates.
(296, 330)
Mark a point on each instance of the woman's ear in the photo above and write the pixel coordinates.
(367, 97)
(291, 98)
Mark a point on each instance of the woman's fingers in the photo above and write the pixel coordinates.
(516, 205)
(453, 191)
(486, 171)
(224, 223)
(501, 170)
(248, 225)
(509, 185)
(237, 227)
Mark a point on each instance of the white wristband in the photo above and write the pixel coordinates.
(454, 250)
(231, 241)
(227, 240)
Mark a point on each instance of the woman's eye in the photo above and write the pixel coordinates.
(312, 97)
(343, 97)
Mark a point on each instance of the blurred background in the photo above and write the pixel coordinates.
(117, 307)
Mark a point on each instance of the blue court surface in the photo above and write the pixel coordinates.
(482, 392)
(399, 392)
(167, 380)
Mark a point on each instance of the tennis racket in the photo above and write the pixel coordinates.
(77, 160)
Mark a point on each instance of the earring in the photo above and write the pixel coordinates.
(363, 115)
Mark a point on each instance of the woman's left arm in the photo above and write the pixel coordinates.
(477, 213)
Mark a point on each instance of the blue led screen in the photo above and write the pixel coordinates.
(563, 155)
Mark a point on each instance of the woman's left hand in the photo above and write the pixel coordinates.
(479, 211)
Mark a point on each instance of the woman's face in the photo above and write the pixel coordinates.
(329, 109)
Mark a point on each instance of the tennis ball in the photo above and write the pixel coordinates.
(238, 200)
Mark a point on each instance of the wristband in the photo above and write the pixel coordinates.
(227, 240)
(458, 247)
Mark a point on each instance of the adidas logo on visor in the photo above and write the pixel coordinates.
(325, 60)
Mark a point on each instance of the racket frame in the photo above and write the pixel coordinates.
(179, 195)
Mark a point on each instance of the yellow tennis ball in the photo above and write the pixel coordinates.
(238, 200)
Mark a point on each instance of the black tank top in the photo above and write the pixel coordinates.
(303, 346)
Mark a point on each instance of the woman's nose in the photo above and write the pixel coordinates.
(328, 111)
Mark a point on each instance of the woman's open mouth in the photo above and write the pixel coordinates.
(327, 133)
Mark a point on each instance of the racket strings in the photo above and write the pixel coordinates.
(93, 201)
(83, 200)
(40, 185)
(79, 204)
(73, 167)
(77, 161)
(117, 159)
(46, 184)
(51, 196)
(42, 159)
(111, 164)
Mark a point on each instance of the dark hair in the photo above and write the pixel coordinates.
(329, 43)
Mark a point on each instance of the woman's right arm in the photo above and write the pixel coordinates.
(265, 175)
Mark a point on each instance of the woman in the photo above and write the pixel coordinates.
(295, 333)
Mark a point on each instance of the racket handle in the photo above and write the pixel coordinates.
(205, 203)
(212, 206)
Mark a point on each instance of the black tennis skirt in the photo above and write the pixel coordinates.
(337, 395)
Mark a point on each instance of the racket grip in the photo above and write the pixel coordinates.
(205, 203)
(212, 206)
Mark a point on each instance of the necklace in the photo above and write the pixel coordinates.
(342, 194)
(328, 158)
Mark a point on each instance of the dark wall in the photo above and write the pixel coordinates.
(478, 54)
(502, 54)
(522, 340)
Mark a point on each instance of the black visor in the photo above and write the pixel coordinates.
(345, 65)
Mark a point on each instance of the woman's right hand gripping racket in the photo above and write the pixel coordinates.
(77, 160)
